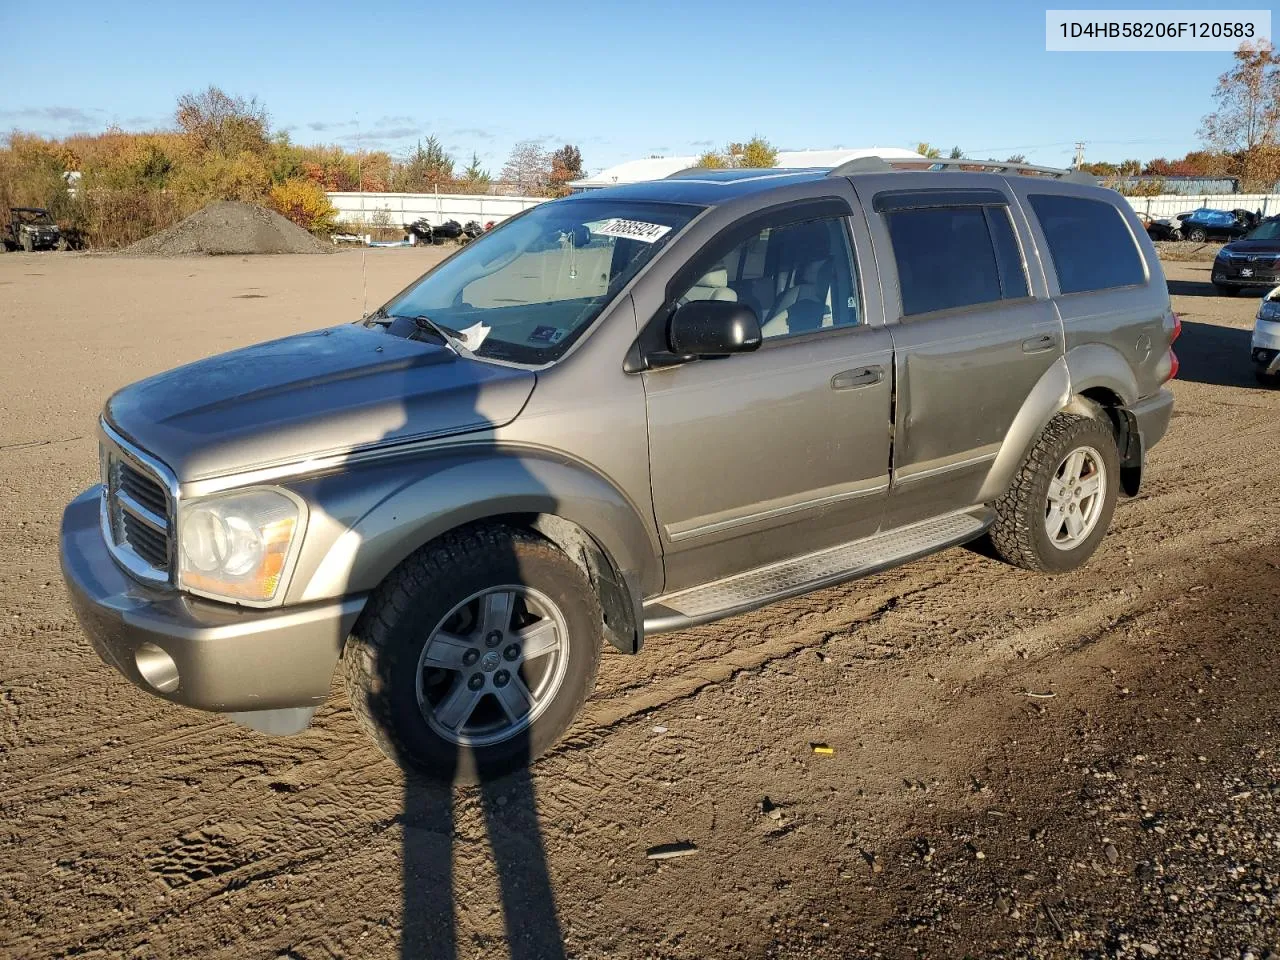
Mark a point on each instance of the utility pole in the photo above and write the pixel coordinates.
(1078, 162)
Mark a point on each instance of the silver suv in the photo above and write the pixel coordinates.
(622, 413)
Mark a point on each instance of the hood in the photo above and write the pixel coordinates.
(1252, 246)
(312, 395)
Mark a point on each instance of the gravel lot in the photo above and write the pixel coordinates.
(1085, 766)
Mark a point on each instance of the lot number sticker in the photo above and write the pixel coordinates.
(633, 230)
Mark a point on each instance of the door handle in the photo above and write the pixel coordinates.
(861, 377)
(1039, 344)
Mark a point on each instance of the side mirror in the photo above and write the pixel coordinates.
(713, 328)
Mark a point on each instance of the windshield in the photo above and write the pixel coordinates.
(1267, 230)
(525, 291)
(33, 216)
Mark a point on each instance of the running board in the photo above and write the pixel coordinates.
(788, 578)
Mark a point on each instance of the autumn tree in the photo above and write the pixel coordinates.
(566, 166)
(528, 168)
(925, 150)
(1248, 98)
(757, 153)
(219, 123)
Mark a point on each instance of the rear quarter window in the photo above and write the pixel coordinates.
(1089, 242)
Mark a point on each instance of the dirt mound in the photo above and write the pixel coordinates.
(229, 227)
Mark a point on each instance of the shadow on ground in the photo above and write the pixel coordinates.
(1214, 354)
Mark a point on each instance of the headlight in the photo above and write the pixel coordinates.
(1270, 310)
(237, 547)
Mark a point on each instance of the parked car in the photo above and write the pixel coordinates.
(421, 230)
(747, 385)
(1253, 260)
(1161, 228)
(1207, 224)
(1265, 345)
(31, 228)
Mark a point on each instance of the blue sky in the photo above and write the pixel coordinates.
(620, 80)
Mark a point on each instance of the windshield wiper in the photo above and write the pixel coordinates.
(452, 338)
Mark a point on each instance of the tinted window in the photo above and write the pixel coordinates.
(1091, 247)
(1013, 275)
(798, 277)
(945, 258)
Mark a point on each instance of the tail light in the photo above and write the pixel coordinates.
(1177, 330)
(1173, 365)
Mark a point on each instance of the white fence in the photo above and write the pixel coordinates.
(1170, 205)
(402, 209)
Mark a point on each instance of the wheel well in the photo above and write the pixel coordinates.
(1102, 402)
(621, 623)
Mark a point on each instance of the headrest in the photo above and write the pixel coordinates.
(715, 277)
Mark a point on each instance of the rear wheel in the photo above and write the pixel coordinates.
(1196, 235)
(475, 654)
(1060, 503)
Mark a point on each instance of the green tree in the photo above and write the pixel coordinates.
(424, 170)
(956, 154)
(1017, 158)
(474, 179)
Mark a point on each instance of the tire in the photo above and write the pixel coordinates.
(431, 595)
(1197, 235)
(1020, 534)
(1267, 379)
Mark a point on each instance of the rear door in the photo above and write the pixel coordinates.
(768, 455)
(973, 333)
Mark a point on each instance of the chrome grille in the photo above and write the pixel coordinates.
(137, 511)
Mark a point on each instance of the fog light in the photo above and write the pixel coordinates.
(156, 667)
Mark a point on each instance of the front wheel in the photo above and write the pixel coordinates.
(1060, 503)
(474, 656)
(1197, 235)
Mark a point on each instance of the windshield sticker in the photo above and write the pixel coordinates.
(633, 230)
(547, 335)
(474, 335)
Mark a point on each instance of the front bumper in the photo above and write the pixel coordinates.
(1229, 275)
(1153, 415)
(1265, 346)
(228, 659)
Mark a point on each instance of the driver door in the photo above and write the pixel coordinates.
(763, 456)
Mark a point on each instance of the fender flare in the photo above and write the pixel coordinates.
(433, 494)
(1050, 394)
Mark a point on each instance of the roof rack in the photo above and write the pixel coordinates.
(881, 165)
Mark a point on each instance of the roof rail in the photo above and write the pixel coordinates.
(892, 165)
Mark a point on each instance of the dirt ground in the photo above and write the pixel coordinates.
(1084, 766)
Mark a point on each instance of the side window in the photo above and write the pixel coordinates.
(955, 257)
(1013, 273)
(798, 277)
(1091, 246)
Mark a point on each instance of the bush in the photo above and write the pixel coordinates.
(305, 203)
